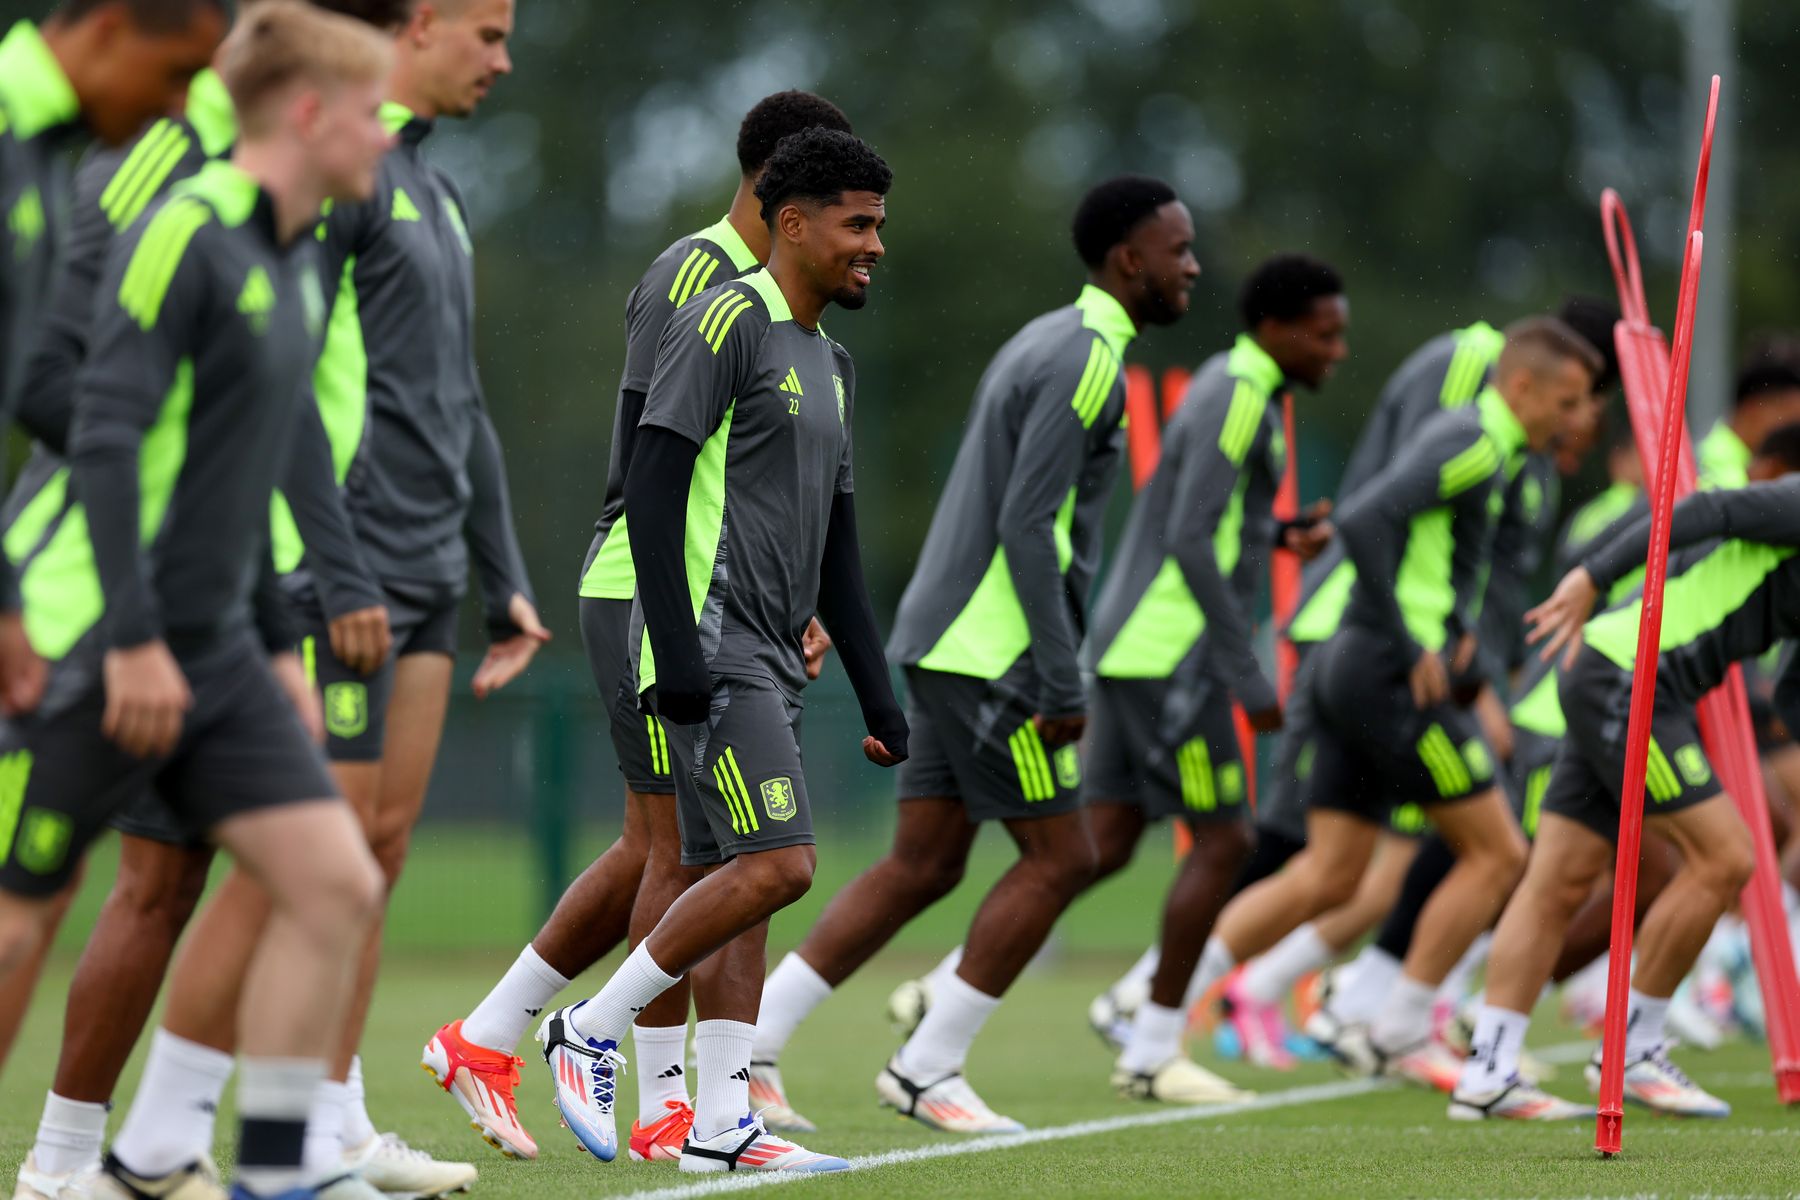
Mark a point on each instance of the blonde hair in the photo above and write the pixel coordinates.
(278, 43)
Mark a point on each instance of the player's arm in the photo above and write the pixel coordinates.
(1209, 470)
(702, 360)
(847, 611)
(512, 616)
(1374, 524)
(1046, 466)
(151, 313)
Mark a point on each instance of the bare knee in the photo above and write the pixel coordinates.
(341, 899)
(22, 927)
(782, 876)
(161, 886)
(1067, 862)
(930, 873)
(1502, 860)
(1725, 867)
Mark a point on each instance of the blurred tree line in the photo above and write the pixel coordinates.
(1446, 157)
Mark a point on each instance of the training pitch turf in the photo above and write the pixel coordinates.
(1310, 1133)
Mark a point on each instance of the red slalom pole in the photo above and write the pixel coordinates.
(1143, 425)
(1609, 1128)
(1284, 566)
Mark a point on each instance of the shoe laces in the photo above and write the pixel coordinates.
(392, 1145)
(1659, 1058)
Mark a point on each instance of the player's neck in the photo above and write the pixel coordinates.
(806, 305)
(407, 88)
(297, 193)
(746, 218)
(1110, 282)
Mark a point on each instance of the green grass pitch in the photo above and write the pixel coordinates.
(1036, 1061)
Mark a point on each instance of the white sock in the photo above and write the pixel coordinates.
(939, 1046)
(1142, 972)
(629, 992)
(170, 1122)
(723, 1051)
(948, 966)
(661, 1075)
(1360, 994)
(1155, 1037)
(1269, 979)
(1644, 1024)
(1456, 983)
(789, 996)
(500, 1020)
(325, 1132)
(1494, 1050)
(69, 1135)
(274, 1097)
(1405, 1017)
(1215, 964)
(358, 1128)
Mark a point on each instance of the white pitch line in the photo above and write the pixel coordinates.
(1314, 1094)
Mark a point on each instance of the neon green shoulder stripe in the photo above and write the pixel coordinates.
(1469, 468)
(1096, 384)
(143, 173)
(156, 258)
(1248, 403)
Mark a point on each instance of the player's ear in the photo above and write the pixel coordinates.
(791, 221)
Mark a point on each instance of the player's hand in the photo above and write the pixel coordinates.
(290, 673)
(1491, 713)
(361, 639)
(1558, 621)
(876, 751)
(814, 644)
(1308, 541)
(1464, 656)
(1060, 731)
(1429, 681)
(22, 673)
(1269, 720)
(507, 659)
(147, 698)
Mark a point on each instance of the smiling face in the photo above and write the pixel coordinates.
(1309, 347)
(836, 245)
(1160, 251)
(1550, 398)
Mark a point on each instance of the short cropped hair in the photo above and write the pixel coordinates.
(1783, 445)
(775, 117)
(390, 16)
(1766, 378)
(281, 42)
(1594, 319)
(820, 165)
(1536, 342)
(1111, 210)
(1285, 287)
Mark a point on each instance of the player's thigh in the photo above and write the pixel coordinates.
(1481, 825)
(638, 741)
(994, 757)
(1709, 834)
(741, 786)
(415, 728)
(1567, 859)
(1339, 846)
(61, 781)
(305, 855)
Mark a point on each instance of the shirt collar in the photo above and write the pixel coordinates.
(1499, 421)
(233, 194)
(210, 112)
(400, 119)
(725, 236)
(1102, 313)
(1724, 459)
(1250, 361)
(35, 94)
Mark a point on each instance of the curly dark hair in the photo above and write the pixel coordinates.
(1783, 445)
(820, 165)
(1111, 210)
(775, 117)
(1284, 287)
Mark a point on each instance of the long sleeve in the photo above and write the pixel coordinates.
(273, 612)
(1211, 464)
(1761, 512)
(499, 562)
(656, 492)
(1375, 524)
(1046, 466)
(140, 335)
(344, 581)
(845, 608)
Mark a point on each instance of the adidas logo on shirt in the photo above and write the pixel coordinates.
(792, 383)
(404, 208)
(257, 300)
